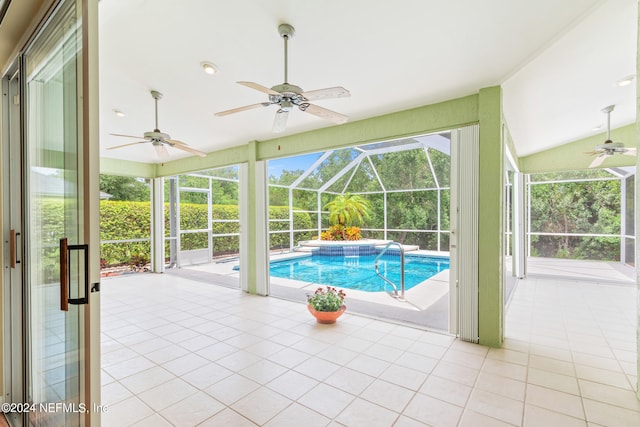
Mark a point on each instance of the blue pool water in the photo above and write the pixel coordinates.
(359, 272)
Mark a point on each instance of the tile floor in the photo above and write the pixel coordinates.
(184, 353)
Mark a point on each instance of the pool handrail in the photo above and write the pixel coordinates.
(395, 288)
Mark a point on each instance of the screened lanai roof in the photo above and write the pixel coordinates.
(420, 162)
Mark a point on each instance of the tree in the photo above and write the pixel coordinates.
(125, 188)
(348, 209)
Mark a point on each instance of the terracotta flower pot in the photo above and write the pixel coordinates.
(326, 316)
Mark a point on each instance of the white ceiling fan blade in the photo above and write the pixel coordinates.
(245, 108)
(280, 121)
(127, 136)
(330, 92)
(332, 116)
(629, 152)
(161, 150)
(259, 87)
(175, 141)
(598, 161)
(189, 149)
(126, 145)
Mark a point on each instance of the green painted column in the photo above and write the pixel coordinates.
(490, 221)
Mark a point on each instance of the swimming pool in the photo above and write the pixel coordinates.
(359, 272)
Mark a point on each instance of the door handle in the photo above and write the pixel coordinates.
(65, 285)
(13, 248)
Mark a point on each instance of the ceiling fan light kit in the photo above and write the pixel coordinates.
(287, 96)
(609, 148)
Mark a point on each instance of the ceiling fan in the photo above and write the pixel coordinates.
(159, 140)
(287, 96)
(608, 148)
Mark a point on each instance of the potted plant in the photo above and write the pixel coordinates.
(327, 305)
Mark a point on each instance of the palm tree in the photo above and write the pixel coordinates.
(347, 209)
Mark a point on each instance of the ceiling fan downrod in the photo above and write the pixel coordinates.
(156, 95)
(286, 31)
(607, 111)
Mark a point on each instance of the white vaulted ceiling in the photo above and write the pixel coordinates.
(558, 63)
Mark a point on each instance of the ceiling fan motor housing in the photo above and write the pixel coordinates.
(156, 135)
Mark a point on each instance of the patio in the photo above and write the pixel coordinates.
(182, 352)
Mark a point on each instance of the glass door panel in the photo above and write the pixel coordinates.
(52, 67)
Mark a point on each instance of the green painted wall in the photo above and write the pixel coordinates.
(127, 168)
(571, 156)
(490, 210)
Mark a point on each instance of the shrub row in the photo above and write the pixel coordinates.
(122, 220)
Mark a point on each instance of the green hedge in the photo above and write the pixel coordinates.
(121, 220)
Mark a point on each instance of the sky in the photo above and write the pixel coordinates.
(277, 166)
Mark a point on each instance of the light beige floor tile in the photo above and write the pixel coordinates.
(415, 361)
(131, 367)
(503, 386)
(326, 400)
(263, 371)
(433, 411)
(405, 377)
(551, 365)
(227, 418)
(554, 400)
(467, 347)
(126, 412)
(455, 372)
(338, 355)
(193, 410)
(292, 384)
(113, 393)
(463, 358)
(616, 379)
(496, 406)
(216, 351)
(476, 419)
(535, 416)
(368, 365)
(298, 415)
(166, 353)
(404, 421)
(289, 357)
(147, 379)
(167, 394)
(317, 368)
(449, 391)
(261, 405)
(505, 369)
(154, 420)
(349, 380)
(238, 360)
(363, 413)
(384, 352)
(608, 415)
(388, 395)
(232, 388)
(612, 395)
(427, 349)
(185, 364)
(552, 380)
(206, 375)
(510, 356)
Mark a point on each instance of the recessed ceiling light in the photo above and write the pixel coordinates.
(209, 68)
(597, 127)
(118, 113)
(626, 81)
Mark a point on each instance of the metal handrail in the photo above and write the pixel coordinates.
(395, 288)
